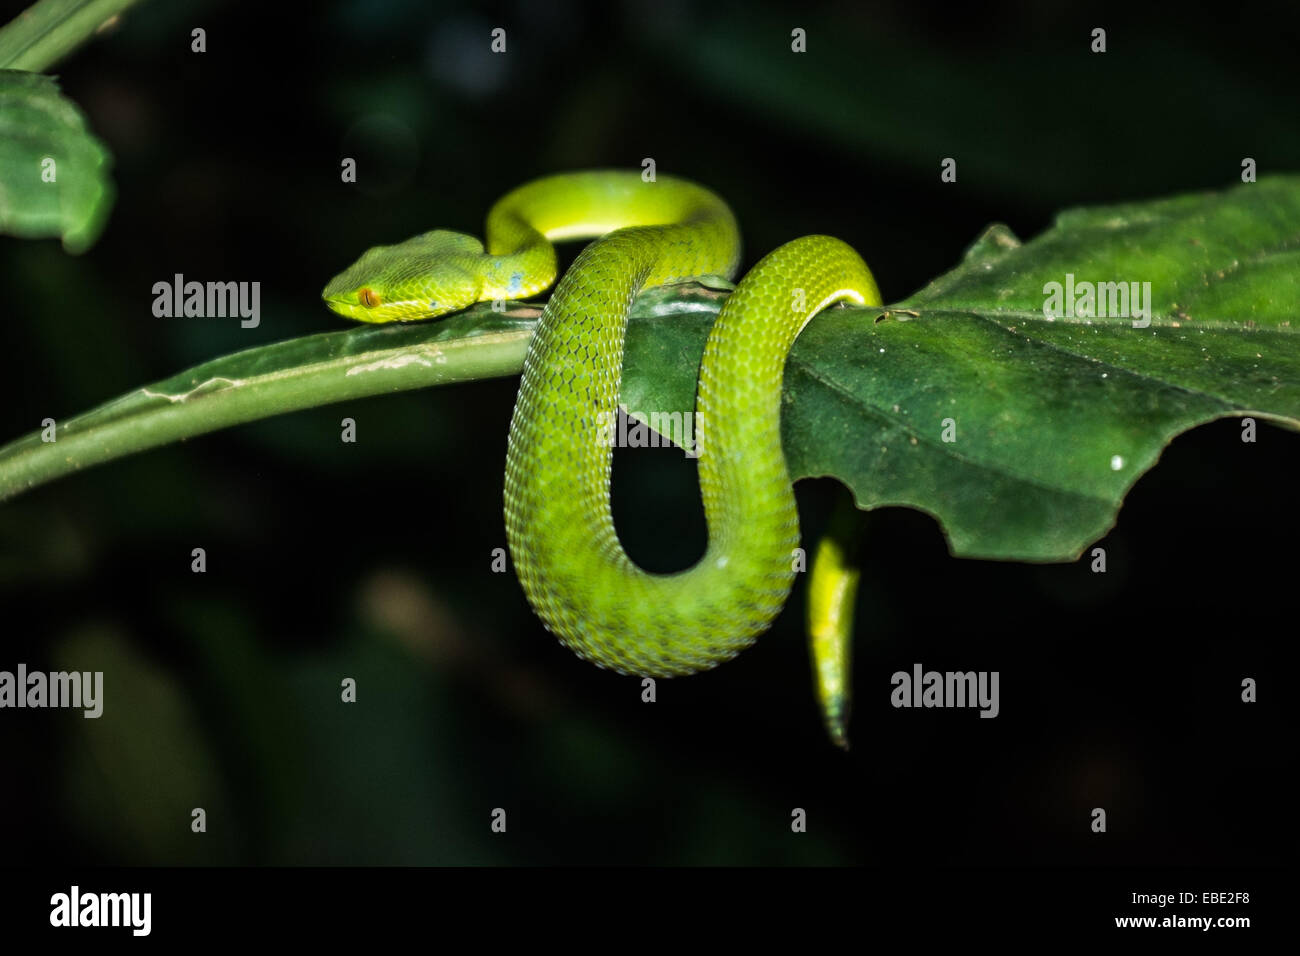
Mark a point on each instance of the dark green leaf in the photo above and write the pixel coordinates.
(1055, 419)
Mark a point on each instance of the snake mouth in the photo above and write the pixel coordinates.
(413, 310)
(349, 310)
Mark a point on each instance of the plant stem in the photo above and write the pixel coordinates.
(268, 380)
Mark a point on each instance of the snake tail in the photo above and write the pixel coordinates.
(832, 599)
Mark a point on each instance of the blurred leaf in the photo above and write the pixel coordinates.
(135, 773)
(53, 172)
(49, 30)
(884, 92)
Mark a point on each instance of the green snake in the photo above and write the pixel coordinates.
(561, 534)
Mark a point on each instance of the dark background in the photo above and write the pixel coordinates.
(328, 560)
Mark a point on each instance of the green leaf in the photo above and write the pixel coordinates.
(53, 172)
(1053, 419)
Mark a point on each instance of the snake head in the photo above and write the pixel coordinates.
(424, 277)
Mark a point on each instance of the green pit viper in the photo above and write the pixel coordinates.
(562, 540)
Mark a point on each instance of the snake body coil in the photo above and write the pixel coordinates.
(557, 506)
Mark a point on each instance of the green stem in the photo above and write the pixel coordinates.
(49, 30)
(270, 380)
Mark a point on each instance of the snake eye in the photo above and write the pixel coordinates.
(369, 298)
